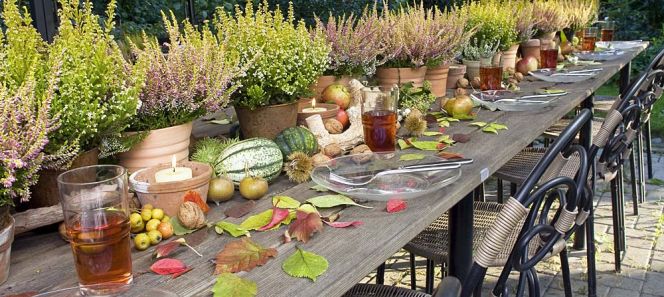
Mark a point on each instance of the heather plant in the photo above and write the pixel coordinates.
(97, 93)
(283, 58)
(580, 13)
(494, 22)
(407, 36)
(451, 35)
(354, 42)
(477, 50)
(193, 78)
(525, 22)
(550, 16)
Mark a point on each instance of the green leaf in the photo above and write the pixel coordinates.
(229, 285)
(431, 133)
(327, 201)
(446, 139)
(319, 188)
(232, 229)
(444, 124)
(411, 157)
(178, 229)
(256, 221)
(221, 122)
(425, 145)
(308, 208)
(403, 144)
(498, 126)
(464, 116)
(305, 264)
(478, 124)
(490, 130)
(285, 202)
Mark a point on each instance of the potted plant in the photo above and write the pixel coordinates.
(496, 26)
(525, 28)
(477, 53)
(580, 13)
(355, 46)
(284, 61)
(97, 92)
(405, 35)
(193, 78)
(549, 17)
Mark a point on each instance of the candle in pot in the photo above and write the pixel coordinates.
(313, 107)
(173, 174)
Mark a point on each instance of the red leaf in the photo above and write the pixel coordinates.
(165, 249)
(431, 119)
(331, 218)
(450, 155)
(441, 146)
(168, 266)
(305, 226)
(278, 215)
(175, 275)
(396, 205)
(441, 130)
(194, 197)
(240, 210)
(461, 137)
(24, 294)
(242, 255)
(344, 224)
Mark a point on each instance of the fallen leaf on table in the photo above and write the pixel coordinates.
(278, 215)
(344, 224)
(430, 118)
(327, 201)
(461, 137)
(285, 202)
(431, 133)
(165, 249)
(221, 122)
(396, 205)
(305, 226)
(308, 208)
(498, 126)
(425, 145)
(305, 264)
(319, 188)
(25, 294)
(193, 196)
(242, 255)
(178, 229)
(490, 130)
(230, 285)
(446, 139)
(331, 218)
(168, 266)
(450, 155)
(403, 144)
(441, 146)
(478, 124)
(411, 157)
(240, 210)
(230, 228)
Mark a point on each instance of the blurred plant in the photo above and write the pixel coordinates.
(477, 50)
(411, 97)
(525, 22)
(550, 16)
(355, 43)
(408, 35)
(580, 13)
(494, 22)
(451, 35)
(283, 58)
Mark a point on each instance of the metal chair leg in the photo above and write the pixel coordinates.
(590, 253)
(429, 277)
(641, 165)
(512, 189)
(648, 140)
(413, 278)
(499, 191)
(564, 265)
(380, 274)
(632, 175)
(616, 225)
(621, 207)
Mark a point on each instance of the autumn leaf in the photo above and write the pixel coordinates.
(396, 205)
(305, 264)
(24, 294)
(403, 144)
(178, 229)
(242, 255)
(450, 155)
(256, 221)
(430, 118)
(229, 285)
(308, 208)
(230, 228)
(319, 188)
(344, 224)
(278, 215)
(411, 157)
(165, 249)
(425, 145)
(240, 210)
(446, 139)
(193, 196)
(461, 138)
(285, 202)
(168, 266)
(489, 129)
(305, 226)
(478, 124)
(431, 133)
(498, 126)
(327, 201)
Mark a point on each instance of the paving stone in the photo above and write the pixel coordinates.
(657, 265)
(620, 281)
(654, 283)
(619, 292)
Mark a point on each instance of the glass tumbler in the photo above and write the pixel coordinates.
(549, 56)
(608, 28)
(379, 117)
(96, 210)
(589, 39)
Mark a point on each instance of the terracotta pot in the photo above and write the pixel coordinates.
(472, 69)
(437, 76)
(508, 58)
(531, 48)
(304, 103)
(326, 80)
(6, 239)
(158, 147)
(267, 121)
(387, 77)
(456, 72)
(168, 196)
(45, 193)
(329, 113)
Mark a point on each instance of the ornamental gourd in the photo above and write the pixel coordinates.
(296, 139)
(260, 156)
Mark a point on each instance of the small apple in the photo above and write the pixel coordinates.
(526, 65)
(336, 94)
(342, 117)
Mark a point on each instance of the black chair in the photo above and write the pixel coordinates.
(655, 65)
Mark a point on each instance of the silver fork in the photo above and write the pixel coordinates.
(366, 179)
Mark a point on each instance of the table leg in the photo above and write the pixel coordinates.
(586, 139)
(461, 237)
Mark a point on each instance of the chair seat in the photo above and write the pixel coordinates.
(370, 290)
(558, 127)
(519, 167)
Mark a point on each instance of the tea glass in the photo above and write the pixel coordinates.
(379, 117)
(549, 55)
(608, 28)
(491, 76)
(589, 39)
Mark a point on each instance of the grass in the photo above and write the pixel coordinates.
(655, 182)
(657, 119)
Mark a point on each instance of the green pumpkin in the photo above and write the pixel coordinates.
(296, 139)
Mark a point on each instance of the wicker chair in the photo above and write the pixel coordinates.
(501, 229)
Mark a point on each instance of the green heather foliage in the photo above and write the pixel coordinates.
(494, 22)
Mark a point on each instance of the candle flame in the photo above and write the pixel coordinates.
(174, 162)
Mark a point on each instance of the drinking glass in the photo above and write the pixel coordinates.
(549, 55)
(608, 27)
(589, 39)
(96, 209)
(491, 76)
(379, 117)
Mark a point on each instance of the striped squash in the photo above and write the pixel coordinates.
(261, 155)
(297, 139)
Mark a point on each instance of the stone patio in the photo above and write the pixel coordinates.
(643, 263)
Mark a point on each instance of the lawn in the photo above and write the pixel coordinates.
(657, 120)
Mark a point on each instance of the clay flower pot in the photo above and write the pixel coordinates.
(531, 48)
(456, 72)
(472, 69)
(168, 196)
(326, 80)
(267, 121)
(6, 239)
(388, 77)
(437, 76)
(508, 58)
(158, 147)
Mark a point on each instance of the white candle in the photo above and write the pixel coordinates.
(313, 107)
(173, 174)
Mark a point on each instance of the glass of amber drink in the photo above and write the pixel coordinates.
(96, 210)
(379, 117)
(589, 39)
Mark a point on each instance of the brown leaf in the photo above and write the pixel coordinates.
(242, 255)
(193, 196)
(344, 224)
(305, 226)
(450, 155)
(431, 119)
(196, 238)
(461, 137)
(165, 249)
(24, 294)
(240, 210)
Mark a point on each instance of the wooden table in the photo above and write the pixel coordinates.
(43, 262)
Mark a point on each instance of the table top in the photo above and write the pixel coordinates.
(43, 262)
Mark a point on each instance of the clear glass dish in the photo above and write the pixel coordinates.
(608, 55)
(385, 187)
(510, 101)
(562, 76)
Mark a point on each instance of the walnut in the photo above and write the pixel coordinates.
(191, 216)
(332, 150)
(476, 82)
(334, 126)
(361, 154)
(320, 159)
(518, 76)
(462, 83)
(460, 92)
